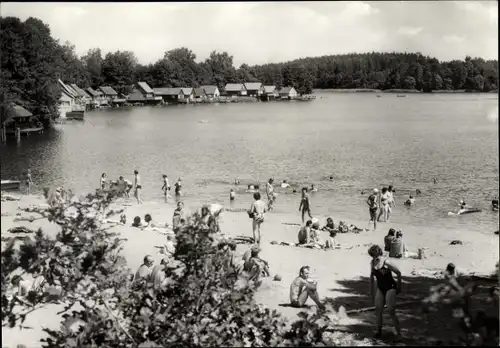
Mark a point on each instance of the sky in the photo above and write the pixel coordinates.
(267, 32)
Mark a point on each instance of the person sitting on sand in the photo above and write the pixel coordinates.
(330, 225)
(304, 235)
(387, 288)
(343, 228)
(410, 201)
(255, 266)
(391, 235)
(137, 222)
(158, 274)
(144, 271)
(179, 214)
(285, 184)
(302, 288)
(398, 248)
(148, 222)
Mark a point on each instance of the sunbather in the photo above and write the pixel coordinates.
(302, 288)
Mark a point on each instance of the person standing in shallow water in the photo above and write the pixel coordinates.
(387, 288)
(256, 213)
(372, 208)
(270, 194)
(304, 206)
(29, 181)
(178, 187)
(166, 187)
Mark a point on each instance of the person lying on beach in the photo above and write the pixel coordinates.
(144, 271)
(6, 197)
(391, 235)
(148, 222)
(123, 220)
(410, 201)
(302, 288)
(285, 184)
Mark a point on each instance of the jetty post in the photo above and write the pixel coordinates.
(18, 135)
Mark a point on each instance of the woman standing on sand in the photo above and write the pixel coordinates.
(384, 204)
(103, 181)
(387, 288)
(256, 213)
(373, 207)
(271, 196)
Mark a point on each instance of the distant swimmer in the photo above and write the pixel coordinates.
(236, 182)
(410, 201)
(285, 184)
(363, 192)
(331, 178)
(314, 188)
(232, 195)
(494, 204)
(435, 181)
(418, 192)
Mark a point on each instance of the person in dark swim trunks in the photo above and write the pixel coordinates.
(387, 288)
(305, 204)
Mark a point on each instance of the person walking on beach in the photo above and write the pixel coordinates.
(178, 187)
(256, 213)
(372, 208)
(302, 288)
(166, 187)
(387, 288)
(29, 182)
(104, 180)
(304, 206)
(270, 194)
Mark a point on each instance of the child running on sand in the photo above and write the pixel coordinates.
(387, 288)
(304, 206)
(302, 288)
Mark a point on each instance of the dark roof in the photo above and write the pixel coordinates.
(18, 111)
(80, 91)
(66, 89)
(136, 96)
(168, 91)
(234, 87)
(198, 92)
(209, 89)
(145, 87)
(285, 90)
(108, 90)
(92, 92)
(253, 86)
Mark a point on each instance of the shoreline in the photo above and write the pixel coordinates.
(478, 253)
(398, 91)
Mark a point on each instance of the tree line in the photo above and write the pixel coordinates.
(32, 61)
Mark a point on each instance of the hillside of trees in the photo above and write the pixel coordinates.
(32, 61)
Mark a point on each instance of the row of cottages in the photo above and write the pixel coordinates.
(70, 99)
(142, 93)
(186, 94)
(256, 89)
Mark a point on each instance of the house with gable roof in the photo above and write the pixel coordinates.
(254, 89)
(143, 93)
(170, 94)
(287, 93)
(235, 90)
(188, 94)
(109, 94)
(211, 91)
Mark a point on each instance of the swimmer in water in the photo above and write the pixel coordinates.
(410, 201)
(236, 182)
(418, 192)
(313, 188)
(331, 178)
(435, 181)
(232, 195)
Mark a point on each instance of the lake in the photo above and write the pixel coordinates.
(359, 139)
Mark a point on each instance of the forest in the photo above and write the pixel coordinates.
(32, 60)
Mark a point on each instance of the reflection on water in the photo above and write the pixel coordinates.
(360, 140)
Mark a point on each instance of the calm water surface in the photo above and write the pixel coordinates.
(361, 140)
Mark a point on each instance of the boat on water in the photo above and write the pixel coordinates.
(75, 115)
(10, 185)
(401, 95)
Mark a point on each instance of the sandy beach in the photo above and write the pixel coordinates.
(332, 269)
